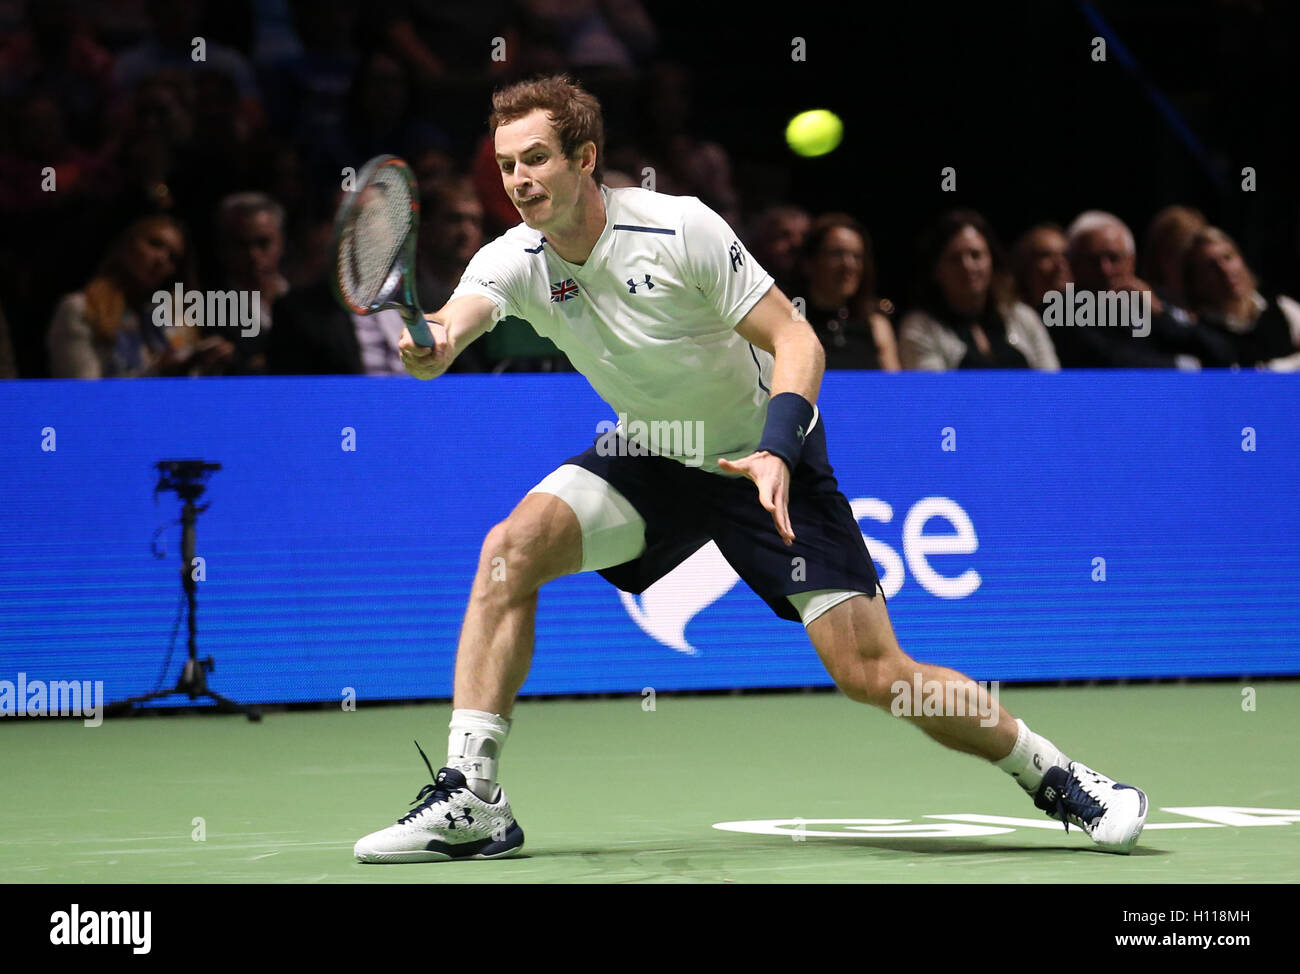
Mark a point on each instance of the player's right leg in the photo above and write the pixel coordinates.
(540, 541)
(572, 521)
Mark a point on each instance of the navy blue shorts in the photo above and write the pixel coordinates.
(686, 507)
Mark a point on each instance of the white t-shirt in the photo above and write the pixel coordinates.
(649, 319)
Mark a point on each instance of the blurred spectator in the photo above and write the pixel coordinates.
(1224, 294)
(109, 329)
(183, 147)
(119, 23)
(274, 35)
(1039, 263)
(967, 315)
(609, 37)
(152, 142)
(437, 40)
(842, 305)
(56, 52)
(309, 249)
(431, 164)
(683, 165)
(1168, 236)
(278, 170)
(776, 239)
(250, 246)
(222, 160)
(306, 92)
(451, 232)
(41, 141)
(8, 362)
(1101, 254)
(170, 47)
(378, 117)
(313, 335)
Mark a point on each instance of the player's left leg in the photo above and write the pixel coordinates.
(856, 643)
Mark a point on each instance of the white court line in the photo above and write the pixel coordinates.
(1046, 823)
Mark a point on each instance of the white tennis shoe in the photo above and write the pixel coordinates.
(1112, 814)
(449, 822)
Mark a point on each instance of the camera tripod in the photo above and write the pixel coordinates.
(186, 477)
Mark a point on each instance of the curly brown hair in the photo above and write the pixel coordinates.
(574, 112)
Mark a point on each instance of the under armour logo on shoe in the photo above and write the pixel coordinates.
(451, 819)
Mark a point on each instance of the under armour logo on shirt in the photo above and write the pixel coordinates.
(632, 285)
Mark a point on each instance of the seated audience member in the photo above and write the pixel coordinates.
(1101, 253)
(1039, 263)
(8, 361)
(1169, 235)
(250, 246)
(843, 309)
(109, 328)
(776, 240)
(1224, 294)
(169, 47)
(314, 335)
(967, 316)
(451, 232)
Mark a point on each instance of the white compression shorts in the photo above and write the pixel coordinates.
(614, 533)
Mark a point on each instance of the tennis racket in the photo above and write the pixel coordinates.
(374, 241)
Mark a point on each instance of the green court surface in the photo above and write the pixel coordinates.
(608, 792)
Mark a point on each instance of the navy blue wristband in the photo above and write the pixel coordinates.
(789, 415)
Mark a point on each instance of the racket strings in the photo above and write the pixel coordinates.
(379, 229)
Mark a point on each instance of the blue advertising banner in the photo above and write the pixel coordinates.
(1026, 527)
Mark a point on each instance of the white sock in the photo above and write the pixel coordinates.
(474, 749)
(1031, 758)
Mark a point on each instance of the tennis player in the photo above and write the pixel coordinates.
(657, 302)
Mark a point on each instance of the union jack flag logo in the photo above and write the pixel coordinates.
(564, 290)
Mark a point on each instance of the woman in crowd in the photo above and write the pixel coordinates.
(1169, 234)
(107, 329)
(967, 316)
(1224, 294)
(840, 275)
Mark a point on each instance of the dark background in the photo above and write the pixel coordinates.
(1006, 93)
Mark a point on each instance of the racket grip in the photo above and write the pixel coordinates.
(418, 327)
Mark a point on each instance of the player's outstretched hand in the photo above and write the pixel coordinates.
(426, 363)
(772, 476)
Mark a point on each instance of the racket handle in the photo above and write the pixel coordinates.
(418, 327)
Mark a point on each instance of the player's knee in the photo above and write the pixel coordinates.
(517, 554)
(868, 677)
(507, 555)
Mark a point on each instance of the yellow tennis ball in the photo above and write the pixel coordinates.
(814, 133)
